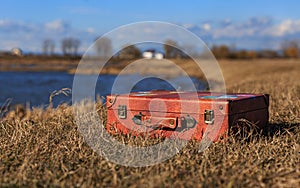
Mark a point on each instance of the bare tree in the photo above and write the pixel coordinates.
(130, 52)
(103, 47)
(75, 45)
(66, 46)
(48, 47)
(172, 49)
(45, 46)
(70, 46)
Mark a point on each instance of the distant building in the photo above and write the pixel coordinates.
(150, 54)
(16, 52)
(159, 55)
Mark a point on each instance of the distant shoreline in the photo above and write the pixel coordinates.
(37, 63)
(69, 65)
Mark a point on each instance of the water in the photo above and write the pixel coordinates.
(34, 88)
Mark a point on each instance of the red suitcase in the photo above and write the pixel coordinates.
(184, 115)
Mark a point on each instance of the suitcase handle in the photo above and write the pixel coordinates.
(155, 122)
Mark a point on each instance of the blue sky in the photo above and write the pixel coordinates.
(252, 24)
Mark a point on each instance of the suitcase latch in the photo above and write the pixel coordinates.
(122, 111)
(188, 122)
(137, 119)
(209, 117)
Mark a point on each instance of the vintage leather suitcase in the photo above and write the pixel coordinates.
(184, 115)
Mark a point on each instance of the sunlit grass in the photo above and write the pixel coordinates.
(43, 147)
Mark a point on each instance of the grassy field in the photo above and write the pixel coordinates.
(44, 148)
(38, 63)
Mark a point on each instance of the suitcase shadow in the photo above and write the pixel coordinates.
(245, 131)
(274, 129)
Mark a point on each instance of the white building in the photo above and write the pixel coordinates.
(150, 54)
(16, 51)
(158, 55)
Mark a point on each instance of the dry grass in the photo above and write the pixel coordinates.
(38, 63)
(44, 148)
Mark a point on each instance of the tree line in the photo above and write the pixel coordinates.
(70, 47)
(289, 49)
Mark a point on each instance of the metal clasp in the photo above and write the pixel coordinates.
(209, 117)
(122, 111)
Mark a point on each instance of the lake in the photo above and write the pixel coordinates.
(34, 88)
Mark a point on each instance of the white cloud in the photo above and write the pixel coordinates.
(14, 26)
(206, 26)
(90, 30)
(286, 27)
(4, 23)
(57, 25)
(254, 32)
(248, 28)
(234, 31)
(30, 36)
(251, 28)
(226, 22)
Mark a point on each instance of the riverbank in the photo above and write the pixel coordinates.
(45, 148)
(70, 64)
(33, 63)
